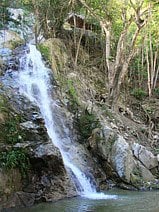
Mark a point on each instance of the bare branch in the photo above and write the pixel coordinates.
(139, 13)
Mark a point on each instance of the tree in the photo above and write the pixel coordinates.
(50, 15)
(133, 17)
(145, 62)
(123, 57)
(122, 23)
(152, 50)
(4, 14)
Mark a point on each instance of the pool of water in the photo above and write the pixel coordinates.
(128, 201)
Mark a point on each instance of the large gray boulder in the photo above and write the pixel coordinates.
(130, 169)
(144, 156)
(122, 159)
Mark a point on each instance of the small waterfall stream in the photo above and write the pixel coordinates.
(34, 82)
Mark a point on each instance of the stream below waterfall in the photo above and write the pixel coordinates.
(128, 201)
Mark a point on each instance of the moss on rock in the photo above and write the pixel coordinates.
(56, 52)
(12, 40)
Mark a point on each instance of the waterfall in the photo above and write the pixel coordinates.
(34, 82)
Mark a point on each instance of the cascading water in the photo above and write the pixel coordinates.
(34, 81)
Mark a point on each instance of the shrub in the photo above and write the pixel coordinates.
(73, 99)
(12, 132)
(45, 52)
(85, 123)
(139, 93)
(15, 158)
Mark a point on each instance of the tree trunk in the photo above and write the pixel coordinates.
(122, 61)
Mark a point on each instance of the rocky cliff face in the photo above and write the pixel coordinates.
(132, 166)
(31, 167)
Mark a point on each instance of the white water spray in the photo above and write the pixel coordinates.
(34, 82)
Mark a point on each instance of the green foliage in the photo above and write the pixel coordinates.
(156, 91)
(25, 4)
(106, 9)
(138, 72)
(73, 99)
(15, 158)
(12, 132)
(156, 150)
(85, 124)
(51, 15)
(44, 51)
(139, 93)
(4, 14)
(71, 90)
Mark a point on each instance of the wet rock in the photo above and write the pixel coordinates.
(13, 64)
(125, 186)
(5, 52)
(46, 150)
(48, 175)
(144, 156)
(83, 160)
(10, 181)
(47, 179)
(29, 125)
(19, 199)
(16, 14)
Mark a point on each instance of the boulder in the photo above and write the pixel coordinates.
(103, 147)
(115, 155)
(49, 179)
(10, 181)
(45, 150)
(141, 177)
(19, 199)
(141, 172)
(129, 168)
(29, 125)
(10, 39)
(122, 159)
(144, 156)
